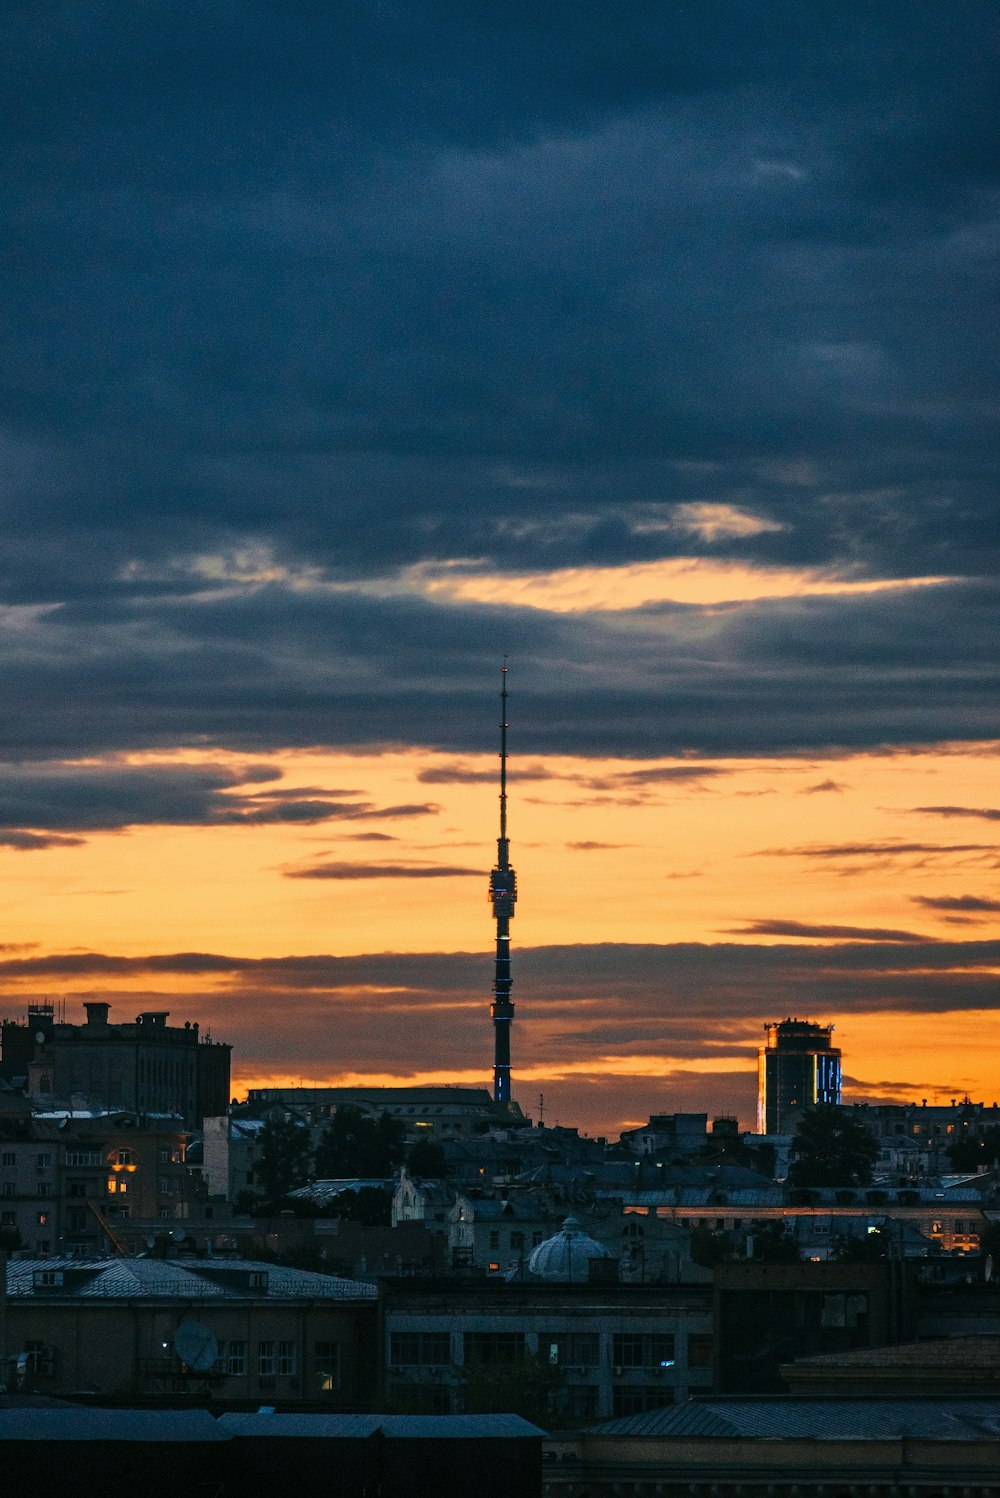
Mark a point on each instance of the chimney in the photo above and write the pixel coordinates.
(97, 1014)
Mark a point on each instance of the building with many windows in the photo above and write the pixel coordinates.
(70, 1180)
(613, 1349)
(798, 1066)
(115, 1327)
(147, 1065)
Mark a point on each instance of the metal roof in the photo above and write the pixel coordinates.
(127, 1278)
(393, 1427)
(777, 1417)
(82, 1423)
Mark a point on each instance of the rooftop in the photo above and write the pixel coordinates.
(771, 1417)
(126, 1278)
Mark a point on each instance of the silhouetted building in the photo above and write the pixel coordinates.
(797, 1067)
(147, 1066)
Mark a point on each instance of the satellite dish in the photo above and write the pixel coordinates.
(195, 1345)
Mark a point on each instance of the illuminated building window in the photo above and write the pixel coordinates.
(326, 1367)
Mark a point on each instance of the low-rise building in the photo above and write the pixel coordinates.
(611, 1348)
(259, 1333)
(786, 1448)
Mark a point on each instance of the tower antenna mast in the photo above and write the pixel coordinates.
(503, 897)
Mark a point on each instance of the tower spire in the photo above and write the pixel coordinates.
(503, 896)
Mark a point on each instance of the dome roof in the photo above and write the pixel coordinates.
(566, 1256)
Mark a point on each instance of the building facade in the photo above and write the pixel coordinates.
(147, 1066)
(68, 1182)
(613, 1349)
(112, 1327)
(798, 1066)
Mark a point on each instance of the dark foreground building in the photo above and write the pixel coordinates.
(775, 1447)
(188, 1454)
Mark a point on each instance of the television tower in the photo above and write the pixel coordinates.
(503, 897)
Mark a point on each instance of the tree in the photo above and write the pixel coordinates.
(371, 1206)
(774, 1245)
(283, 1163)
(709, 1248)
(832, 1147)
(427, 1159)
(970, 1154)
(355, 1144)
(861, 1248)
(528, 1387)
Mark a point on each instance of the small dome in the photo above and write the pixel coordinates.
(566, 1257)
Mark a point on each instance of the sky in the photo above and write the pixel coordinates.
(346, 349)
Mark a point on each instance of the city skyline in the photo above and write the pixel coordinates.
(347, 350)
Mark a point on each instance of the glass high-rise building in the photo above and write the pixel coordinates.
(797, 1067)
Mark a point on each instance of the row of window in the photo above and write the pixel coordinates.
(561, 1349)
(578, 1402)
(169, 1155)
(279, 1358)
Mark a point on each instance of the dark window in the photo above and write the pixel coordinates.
(634, 1401)
(699, 1350)
(427, 1349)
(570, 1349)
(627, 1350)
(494, 1347)
(638, 1350)
(421, 1399)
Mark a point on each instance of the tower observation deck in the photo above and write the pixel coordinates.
(503, 897)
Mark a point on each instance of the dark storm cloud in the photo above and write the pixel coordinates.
(257, 668)
(34, 842)
(381, 871)
(400, 1013)
(40, 804)
(346, 288)
(804, 930)
(965, 903)
(593, 847)
(888, 849)
(610, 985)
(984, 813)
(465, 775)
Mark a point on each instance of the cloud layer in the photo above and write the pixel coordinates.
(310, 297)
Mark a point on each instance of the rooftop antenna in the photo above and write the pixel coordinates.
(503, 896)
